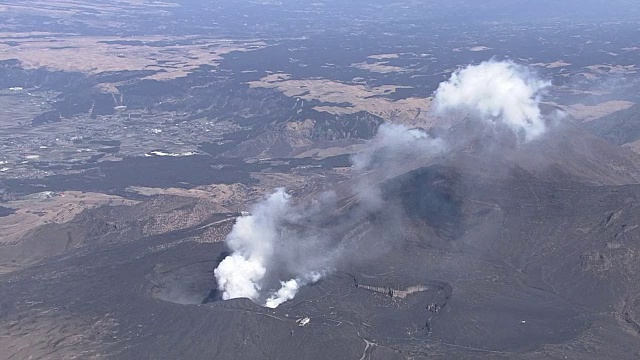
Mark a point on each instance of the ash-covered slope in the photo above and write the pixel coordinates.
(621, 127)
(533, 260)
(565, 153)
(529, 263)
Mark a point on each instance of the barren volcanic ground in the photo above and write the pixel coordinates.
(516, 266)
(134, 135)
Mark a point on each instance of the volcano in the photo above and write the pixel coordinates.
(507, 250)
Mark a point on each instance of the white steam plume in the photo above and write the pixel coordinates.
(287, 292)
(252, 243)
(262, 249)
(239, 277)
(394, 143)
(289, 289)
(499, 91)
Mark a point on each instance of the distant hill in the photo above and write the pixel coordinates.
(621, 127)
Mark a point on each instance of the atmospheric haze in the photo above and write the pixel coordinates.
(282, 246)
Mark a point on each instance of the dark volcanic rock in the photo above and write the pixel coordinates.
(46, 118)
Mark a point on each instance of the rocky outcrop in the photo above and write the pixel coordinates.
(105, 98)
(46, 118)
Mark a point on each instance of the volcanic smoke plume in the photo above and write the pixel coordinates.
(501, 92)
(270, 261)
(264, 251)
(282, 246)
